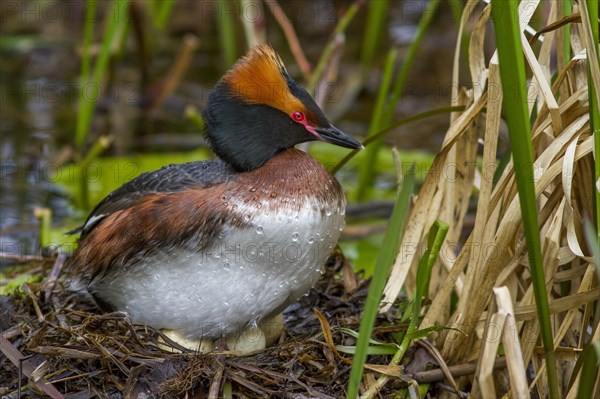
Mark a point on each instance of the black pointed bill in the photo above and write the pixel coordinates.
(335, 136)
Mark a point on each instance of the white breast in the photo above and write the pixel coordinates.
(252, 273)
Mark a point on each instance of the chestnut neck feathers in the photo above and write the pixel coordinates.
(248, 117)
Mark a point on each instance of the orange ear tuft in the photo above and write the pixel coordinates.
(260, 78)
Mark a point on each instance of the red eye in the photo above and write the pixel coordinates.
(298, 116)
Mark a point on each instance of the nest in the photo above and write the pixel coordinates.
(57, 343)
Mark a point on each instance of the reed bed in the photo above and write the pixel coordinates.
(490, 273)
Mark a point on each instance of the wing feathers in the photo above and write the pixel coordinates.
(159, 223)
(169, 179)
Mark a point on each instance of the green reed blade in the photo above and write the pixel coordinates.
(383, 263)
(376, 22)
(589, 370)
(365, 174)
(415, 118)
(87, 103)
(383, 119)
(592, 8)
(514, 85)
(226, 26)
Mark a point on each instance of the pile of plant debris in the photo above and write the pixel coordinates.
(57, 343)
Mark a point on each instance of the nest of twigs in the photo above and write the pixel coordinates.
(57, 343)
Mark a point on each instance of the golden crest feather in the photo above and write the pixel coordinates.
(260, 78)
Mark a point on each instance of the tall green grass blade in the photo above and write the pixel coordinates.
(44, 215)
(87, 103)
(589, 370)
(594, 111)
(409, 60)
(365, 175)
(88, 33)
(98, 148)
(512, 73)
(384, 119)
(436, 237)
(414, 118)
(456, 8)
(226, 27)
(328, 51)
(118, 17)
(385, 258)
(163, 13)
(375, 24)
